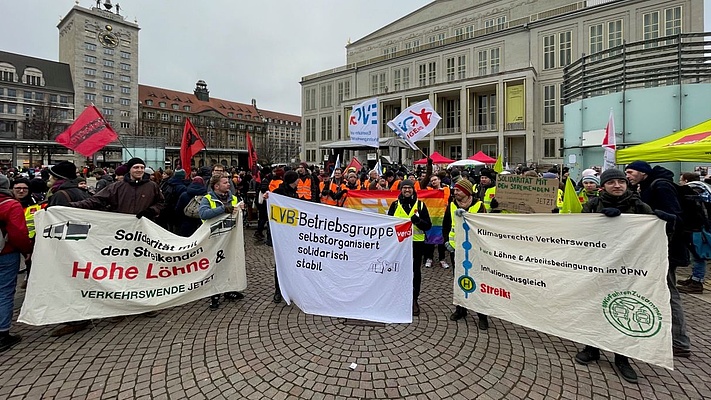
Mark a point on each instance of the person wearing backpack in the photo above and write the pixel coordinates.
(187, 225)
(14, 242)
(172, 190)
(695, 283)
(657, 189)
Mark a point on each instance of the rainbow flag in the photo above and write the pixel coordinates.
(379, 201)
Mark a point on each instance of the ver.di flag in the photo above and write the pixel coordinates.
(415, 122)
(192, 144)
(342, 263)
(583, 277)
(363, 123)
(88, 134)
(94, 264)
(609, 143)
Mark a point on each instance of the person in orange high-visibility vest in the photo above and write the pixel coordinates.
(332, 188)
(352, 183)
(277, 179)
(308, 186)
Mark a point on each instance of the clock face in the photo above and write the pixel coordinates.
(108, 39)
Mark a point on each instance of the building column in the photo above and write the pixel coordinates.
(463, 120)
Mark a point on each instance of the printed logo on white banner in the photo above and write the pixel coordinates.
(632, 314)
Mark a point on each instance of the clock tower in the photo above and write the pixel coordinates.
(101, 48)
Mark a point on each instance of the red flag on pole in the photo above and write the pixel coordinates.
(88, 134)
(192, 144)
(252, 159)
(355, 164)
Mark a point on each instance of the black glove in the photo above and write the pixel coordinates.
(494, 203)
(611, 212)
(229, 208)
(555, 210)
(148, 213)
(415, 219)
(325, 193)
(664, 216)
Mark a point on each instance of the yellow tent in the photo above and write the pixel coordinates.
(691, 144)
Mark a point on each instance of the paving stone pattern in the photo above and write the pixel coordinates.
(254, 349)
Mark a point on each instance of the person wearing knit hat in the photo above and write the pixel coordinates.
(120, 171)
(590, 188)
(588, 172)
(615, 198)
(657, 188)
(64, 170)
(408, 207)
(135, 160)
(462, 202)
(486, 189)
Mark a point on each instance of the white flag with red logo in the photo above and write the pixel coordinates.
(415, 122)
(609, 143)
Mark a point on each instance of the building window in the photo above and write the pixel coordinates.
(108, 63)
(125, 90)
(565, 48)
(406, 78)
(549, 104)
(494, 61)
(309, 100)
(108, 99)
(595, 39)
(432, 72)
(422, 74)
(108, 51)
(344, 89)
(107, 111)
(464, 32)
(33, 80)
(149, 102)
(549, 52)
(161, 104)
(150, 115)
(497, 23)
(490, 150)
(614, 35)
(483, 62)
(90, 71)
(125, 78)
(125, 102)
(177, 118)
(549, 148)
(177, 107)
(125, 125)
(486, 113)
(108, 87)
(90, 46)
(650, 28)
(461, 67)
(165, 117)
(90, 59)
(125, 113)
(108, 75)
(125, 67)
(396, 80)
(672, 21)
(438, 39)
(186, 108)
(561, 105)
(90, 84)
(450, 69)
(11, 93)
(90, 96)
(7, 76)
(326, 96)
(125, 55)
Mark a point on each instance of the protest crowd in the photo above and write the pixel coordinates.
(166, 196)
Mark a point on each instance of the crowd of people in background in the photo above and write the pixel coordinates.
(164, 196)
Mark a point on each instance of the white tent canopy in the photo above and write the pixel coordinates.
(466, 163)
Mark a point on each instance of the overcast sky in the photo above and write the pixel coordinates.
(243, 49)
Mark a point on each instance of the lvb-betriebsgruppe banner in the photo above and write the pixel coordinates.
(337, 262)
(583, 277)
(93, 264)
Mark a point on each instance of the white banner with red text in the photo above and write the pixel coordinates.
(92, 264)
(338, 262)
(583, 277)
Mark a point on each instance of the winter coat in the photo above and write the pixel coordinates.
(187, 225)
(12, 224)
(628, 203)
(127, 196)
(65, 192)
(104, 181)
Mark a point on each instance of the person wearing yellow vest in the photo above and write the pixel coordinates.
(308, 187)
(462, 201)
(486, 189)
(21, 192)
(218, 201)
(408, 207)
(559, 197)
(590, 188)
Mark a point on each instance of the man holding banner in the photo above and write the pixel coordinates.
(614, 200)
(408, 207)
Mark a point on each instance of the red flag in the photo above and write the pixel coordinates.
(252, 160)
(192, 144)
(88, 134)
(356, 164)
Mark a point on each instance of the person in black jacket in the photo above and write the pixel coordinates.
(615, 199)
(408, 207)
(262, 204)
(656, 188)
(288, 189)
(187, 225)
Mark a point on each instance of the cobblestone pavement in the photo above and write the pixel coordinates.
(255, 349)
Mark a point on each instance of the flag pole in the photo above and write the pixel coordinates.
(118, 137)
